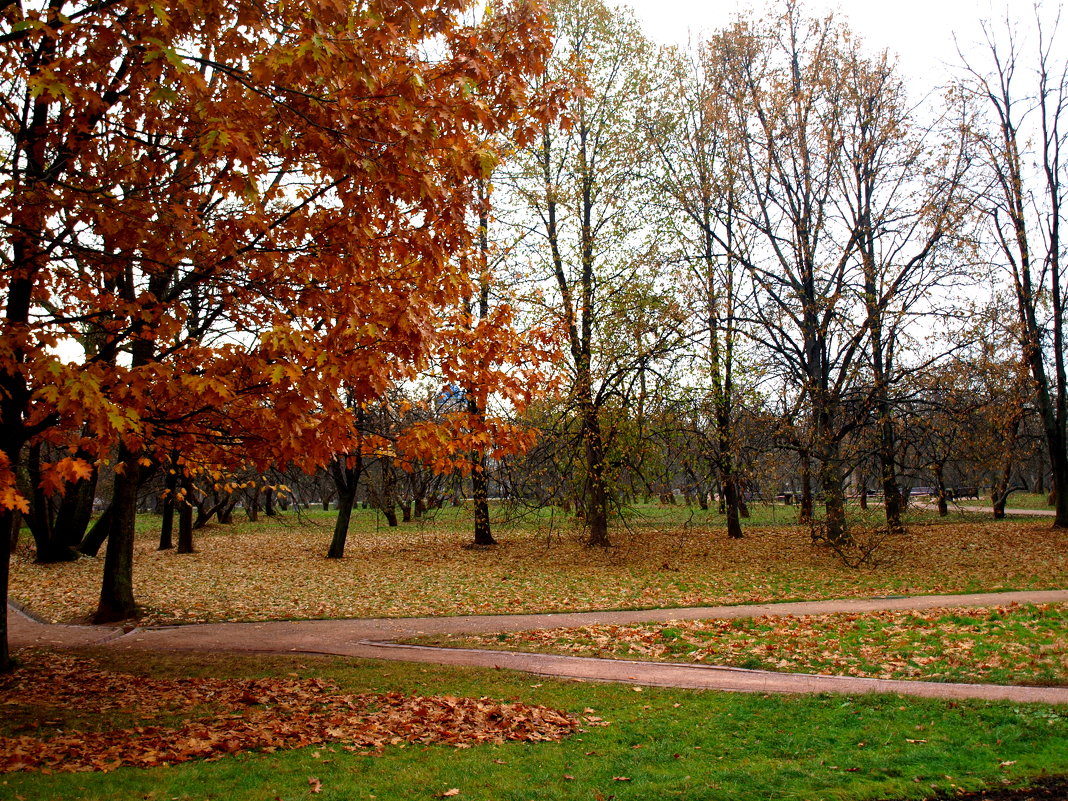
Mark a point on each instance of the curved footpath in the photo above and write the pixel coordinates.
(372, 639)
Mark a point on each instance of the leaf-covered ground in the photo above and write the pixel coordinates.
(167, 721)
(1015, 644)
(277, 570)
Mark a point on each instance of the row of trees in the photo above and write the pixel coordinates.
(769, 227)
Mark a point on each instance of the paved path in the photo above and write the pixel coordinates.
(931, 507)
(372, 638)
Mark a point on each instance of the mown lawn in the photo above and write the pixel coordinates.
(670, 557)
(658, 744)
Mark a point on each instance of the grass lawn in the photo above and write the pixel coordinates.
(658, 743)
(664, 557)
(1017, 644)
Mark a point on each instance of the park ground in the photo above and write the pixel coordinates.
(658, 743)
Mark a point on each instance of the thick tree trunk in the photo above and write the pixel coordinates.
(116, 588)
(597, 500)
(834, 502)
(888, 463)
(940, 486)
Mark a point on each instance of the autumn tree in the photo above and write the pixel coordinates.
(701, 195)
(306, 170)
(580, 186)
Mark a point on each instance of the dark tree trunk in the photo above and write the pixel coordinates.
(185, 519)
(804, 514)
(345, 502)
(940, 485)
(253, 510)
(170, 486)
(390, 513)
(8, 521)
(98, 534)
(116, 588)
(346, 476)
(76, 508)
(51, 541)
(732, 505)
(834, 502)
(268, 502)
(479, 494)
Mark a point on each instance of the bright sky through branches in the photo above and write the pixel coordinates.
(920, 32)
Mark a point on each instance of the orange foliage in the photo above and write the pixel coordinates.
(235, 212)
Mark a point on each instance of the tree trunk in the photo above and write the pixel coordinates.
(732, 505)
(390, 513)
(834, 502)
(51, 542)
(170, 486)
(804, 515)
(116, 588)
(940, 485)
(479, 493)
(345, 500)
(268, 502)
(98, 534)
(346, 478)
(185, 520)
(8, 521)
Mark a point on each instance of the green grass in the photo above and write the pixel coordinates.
(1025, 500)
(668, 743)
(1004, 645)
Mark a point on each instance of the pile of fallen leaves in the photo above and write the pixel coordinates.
(210, 718)
(1015, 643)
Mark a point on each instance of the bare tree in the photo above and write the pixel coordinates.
(1025, 90)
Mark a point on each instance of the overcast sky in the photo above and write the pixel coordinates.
(919, 32)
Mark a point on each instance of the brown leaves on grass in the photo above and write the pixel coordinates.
(1014, 643)
(276, 570)
(216, 717)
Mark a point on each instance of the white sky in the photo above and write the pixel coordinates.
(919, 32)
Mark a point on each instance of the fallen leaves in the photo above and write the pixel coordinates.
(255, 714)
(1024, 643)
(276, 570)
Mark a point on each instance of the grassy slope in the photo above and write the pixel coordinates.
(669, 744)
